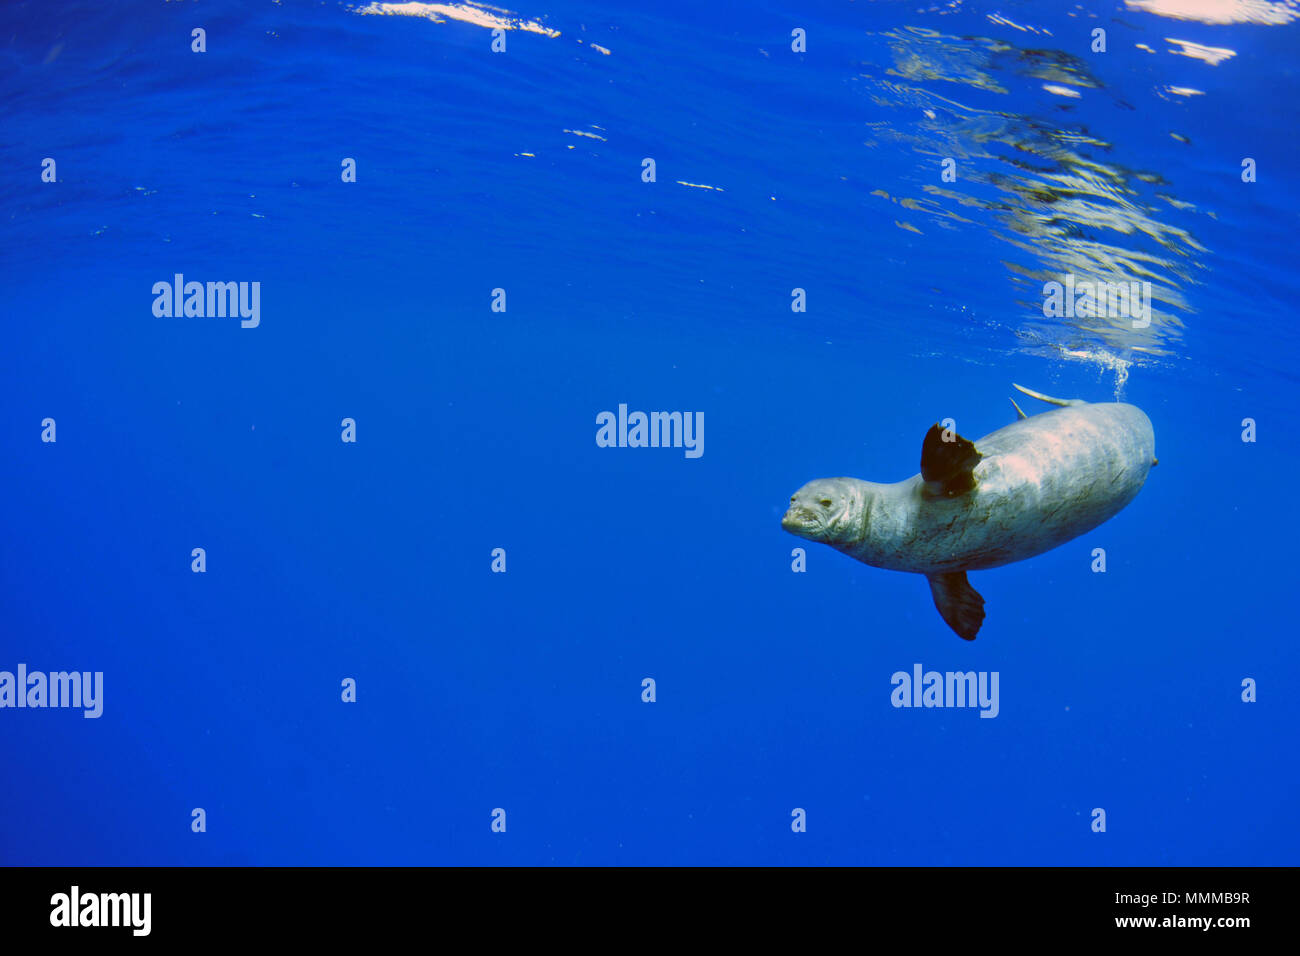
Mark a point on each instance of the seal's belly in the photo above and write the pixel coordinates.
(1043, 481)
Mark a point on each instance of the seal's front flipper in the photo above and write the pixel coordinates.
(958, 603)
(947, 466)
(1047, 398)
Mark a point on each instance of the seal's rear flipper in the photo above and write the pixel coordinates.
(958, 603)
(946, 466)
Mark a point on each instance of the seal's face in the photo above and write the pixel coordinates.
(820, 510)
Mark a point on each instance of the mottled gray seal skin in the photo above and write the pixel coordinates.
(1022, 490)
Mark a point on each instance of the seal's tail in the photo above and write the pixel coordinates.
(1047, 398)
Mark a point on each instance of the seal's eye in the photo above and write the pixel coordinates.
(826, 502)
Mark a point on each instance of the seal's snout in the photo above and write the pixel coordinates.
(795, 517)
(790, 521)
(817, 510)
(802, 517)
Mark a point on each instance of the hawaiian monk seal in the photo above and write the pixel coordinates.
(1022, 490)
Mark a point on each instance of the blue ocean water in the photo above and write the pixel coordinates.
(1169, 157)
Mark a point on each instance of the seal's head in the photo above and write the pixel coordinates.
(824, 510)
